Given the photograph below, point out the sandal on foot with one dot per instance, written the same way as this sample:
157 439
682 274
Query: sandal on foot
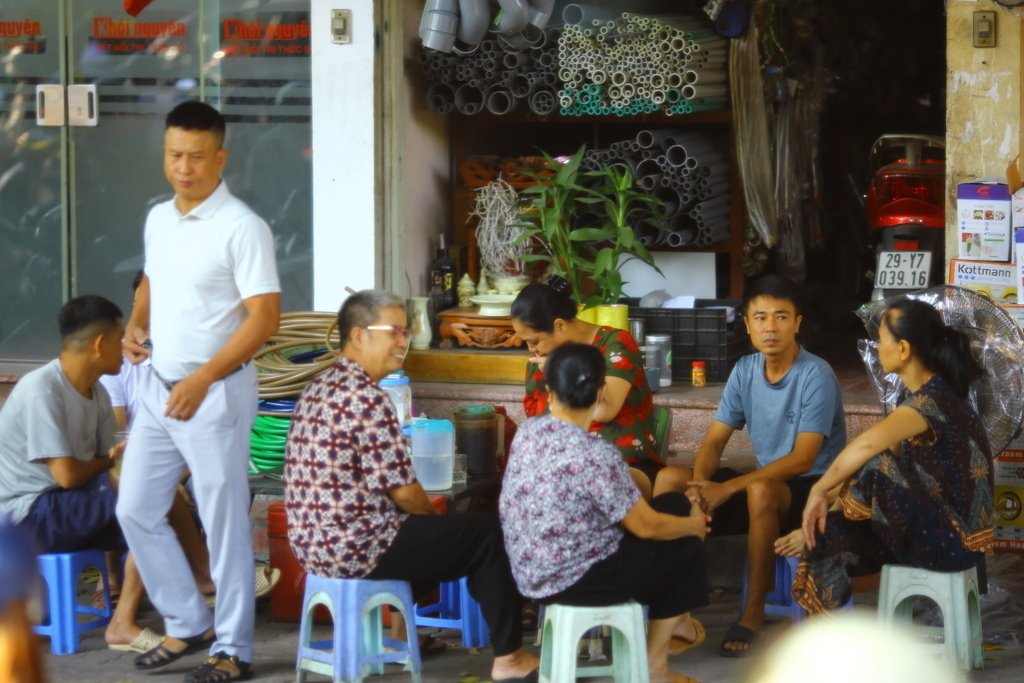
679 645
147 640
161 655
214 672
430 646
738 633
99 601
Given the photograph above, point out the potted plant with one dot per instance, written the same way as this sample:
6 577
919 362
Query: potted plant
582 223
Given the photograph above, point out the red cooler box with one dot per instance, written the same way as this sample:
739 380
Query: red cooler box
286 598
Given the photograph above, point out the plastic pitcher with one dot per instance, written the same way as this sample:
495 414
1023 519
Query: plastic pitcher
433 445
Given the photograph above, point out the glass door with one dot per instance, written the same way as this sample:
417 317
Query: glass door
81 225
32 245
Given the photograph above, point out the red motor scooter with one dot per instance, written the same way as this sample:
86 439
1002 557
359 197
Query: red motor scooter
906 212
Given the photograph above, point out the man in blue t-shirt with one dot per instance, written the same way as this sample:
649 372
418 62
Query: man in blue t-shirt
790 403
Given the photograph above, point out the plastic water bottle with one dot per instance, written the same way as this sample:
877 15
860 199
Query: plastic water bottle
397 386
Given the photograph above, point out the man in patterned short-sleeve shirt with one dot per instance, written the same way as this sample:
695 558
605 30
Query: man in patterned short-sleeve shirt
355 509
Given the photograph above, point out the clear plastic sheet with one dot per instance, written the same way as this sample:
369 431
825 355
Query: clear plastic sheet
997 343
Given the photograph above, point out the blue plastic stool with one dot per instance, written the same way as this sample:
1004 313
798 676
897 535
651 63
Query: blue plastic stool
457 609
358 642
61 624
779 601
956 594
564 625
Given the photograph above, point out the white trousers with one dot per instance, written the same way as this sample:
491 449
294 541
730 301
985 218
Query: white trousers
214 445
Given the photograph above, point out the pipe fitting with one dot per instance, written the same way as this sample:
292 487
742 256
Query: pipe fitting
438 24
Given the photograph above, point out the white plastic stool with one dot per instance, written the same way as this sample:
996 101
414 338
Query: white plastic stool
358 644
564 625
956 594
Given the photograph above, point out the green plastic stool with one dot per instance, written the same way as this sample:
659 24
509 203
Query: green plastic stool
563 627
956 594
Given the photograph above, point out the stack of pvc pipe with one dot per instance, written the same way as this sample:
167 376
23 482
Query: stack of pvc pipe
631 64
494 78
687 172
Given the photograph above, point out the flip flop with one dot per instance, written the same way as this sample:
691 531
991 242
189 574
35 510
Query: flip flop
266 578
99 602
160 656
144 642
738 633
431 646
679 645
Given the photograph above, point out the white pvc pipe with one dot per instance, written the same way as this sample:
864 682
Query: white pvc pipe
695 92
474 15
695 76
438 24
513 16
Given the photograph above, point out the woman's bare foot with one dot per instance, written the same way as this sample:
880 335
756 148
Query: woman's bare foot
685 629
516 665
117 634
790 545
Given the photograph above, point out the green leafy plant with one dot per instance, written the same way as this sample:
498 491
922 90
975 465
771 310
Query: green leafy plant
582 224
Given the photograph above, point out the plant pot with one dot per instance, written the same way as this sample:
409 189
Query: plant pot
587 315
613 315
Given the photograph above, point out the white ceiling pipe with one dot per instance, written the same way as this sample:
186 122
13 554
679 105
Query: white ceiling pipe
512 17
438 24
474 17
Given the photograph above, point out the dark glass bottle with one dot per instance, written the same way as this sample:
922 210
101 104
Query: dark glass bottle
443 277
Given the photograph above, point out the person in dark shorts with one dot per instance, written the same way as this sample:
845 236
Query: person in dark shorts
59 446
790 403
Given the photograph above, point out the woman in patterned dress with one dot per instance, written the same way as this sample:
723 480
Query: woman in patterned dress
921 487
544 317
578 532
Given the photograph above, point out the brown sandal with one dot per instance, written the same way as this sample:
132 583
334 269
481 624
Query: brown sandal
161 655
211 673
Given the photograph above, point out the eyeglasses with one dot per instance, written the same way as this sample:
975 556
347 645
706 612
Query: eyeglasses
395 330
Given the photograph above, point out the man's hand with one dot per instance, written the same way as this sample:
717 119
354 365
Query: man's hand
186 397
133 344
702 521
710 494
117 450
815 513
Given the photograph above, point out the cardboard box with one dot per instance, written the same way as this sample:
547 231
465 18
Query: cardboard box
1018 259
1009 499
983 220
997 281
1015 183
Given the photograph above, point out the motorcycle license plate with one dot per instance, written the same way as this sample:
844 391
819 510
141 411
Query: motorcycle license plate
903 269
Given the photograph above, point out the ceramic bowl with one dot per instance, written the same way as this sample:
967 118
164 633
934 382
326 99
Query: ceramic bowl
496 305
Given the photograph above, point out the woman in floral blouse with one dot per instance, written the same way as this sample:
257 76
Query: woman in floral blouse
544 317
577 530
921 492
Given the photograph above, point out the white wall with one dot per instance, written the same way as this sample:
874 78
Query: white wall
425 176
346 236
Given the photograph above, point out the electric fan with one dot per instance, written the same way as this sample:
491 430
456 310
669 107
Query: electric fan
996 341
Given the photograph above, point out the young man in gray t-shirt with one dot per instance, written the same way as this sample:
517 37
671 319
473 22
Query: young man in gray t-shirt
790 403
57 448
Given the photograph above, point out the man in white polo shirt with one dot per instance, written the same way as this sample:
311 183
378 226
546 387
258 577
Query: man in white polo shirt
209 300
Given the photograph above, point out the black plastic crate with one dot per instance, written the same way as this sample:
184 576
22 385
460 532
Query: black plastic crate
700 333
